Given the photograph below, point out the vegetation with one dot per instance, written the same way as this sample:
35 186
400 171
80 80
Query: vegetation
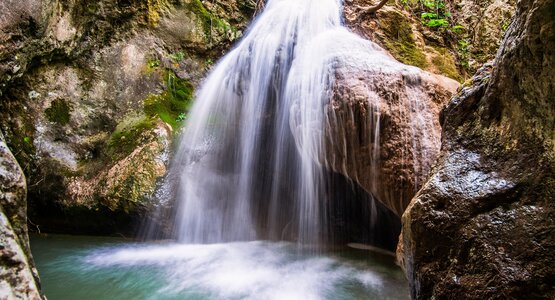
178 56
172 104
58 112
128 134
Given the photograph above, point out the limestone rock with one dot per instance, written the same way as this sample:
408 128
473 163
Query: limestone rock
72 73
17 272
487 22
482 226
132 180
384 130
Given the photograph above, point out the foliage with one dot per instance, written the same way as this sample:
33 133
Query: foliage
153 63
173 102
436 15
182 117
178 56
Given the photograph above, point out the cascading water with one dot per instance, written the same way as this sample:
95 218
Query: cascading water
254 157
237 159
299 104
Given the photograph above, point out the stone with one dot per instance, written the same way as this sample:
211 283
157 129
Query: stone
18 276
398 27
384 130
482 226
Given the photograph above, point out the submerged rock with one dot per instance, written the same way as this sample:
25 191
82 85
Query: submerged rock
483 224
18 276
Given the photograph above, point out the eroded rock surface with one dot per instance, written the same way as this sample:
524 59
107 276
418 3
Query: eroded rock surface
471 38
483 225
18 276
384 130
90 91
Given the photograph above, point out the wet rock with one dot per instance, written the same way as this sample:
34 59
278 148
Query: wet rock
384 130
18 276
482 226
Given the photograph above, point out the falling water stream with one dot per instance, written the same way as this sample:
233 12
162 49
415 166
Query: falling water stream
251 181
252 162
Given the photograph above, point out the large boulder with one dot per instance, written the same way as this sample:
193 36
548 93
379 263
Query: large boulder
18 276
483 224
383 127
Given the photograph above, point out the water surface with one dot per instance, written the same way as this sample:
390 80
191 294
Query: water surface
74 267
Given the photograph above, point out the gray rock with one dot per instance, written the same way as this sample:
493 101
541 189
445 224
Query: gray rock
17 272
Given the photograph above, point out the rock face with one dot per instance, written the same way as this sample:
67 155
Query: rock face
486 22
469 38
483 225
384 130
18 276
90 91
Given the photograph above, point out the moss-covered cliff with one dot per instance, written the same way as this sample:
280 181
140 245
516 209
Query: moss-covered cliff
91 95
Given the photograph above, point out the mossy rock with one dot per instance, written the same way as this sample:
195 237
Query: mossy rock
172 105
58 112
446 64
399 39
129 134
210 23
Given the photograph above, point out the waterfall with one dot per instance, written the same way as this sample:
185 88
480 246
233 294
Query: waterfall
253 157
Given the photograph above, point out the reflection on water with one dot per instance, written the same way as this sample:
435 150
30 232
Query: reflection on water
108 268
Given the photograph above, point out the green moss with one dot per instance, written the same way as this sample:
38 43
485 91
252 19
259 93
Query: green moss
400 40
445 62
209 21
128 135
58 112
173 102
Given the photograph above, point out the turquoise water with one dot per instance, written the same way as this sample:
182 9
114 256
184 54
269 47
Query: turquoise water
75 267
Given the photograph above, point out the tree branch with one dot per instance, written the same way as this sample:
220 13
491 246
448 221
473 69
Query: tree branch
375 8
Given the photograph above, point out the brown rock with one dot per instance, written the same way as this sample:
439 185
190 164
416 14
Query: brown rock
384 130
475 30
